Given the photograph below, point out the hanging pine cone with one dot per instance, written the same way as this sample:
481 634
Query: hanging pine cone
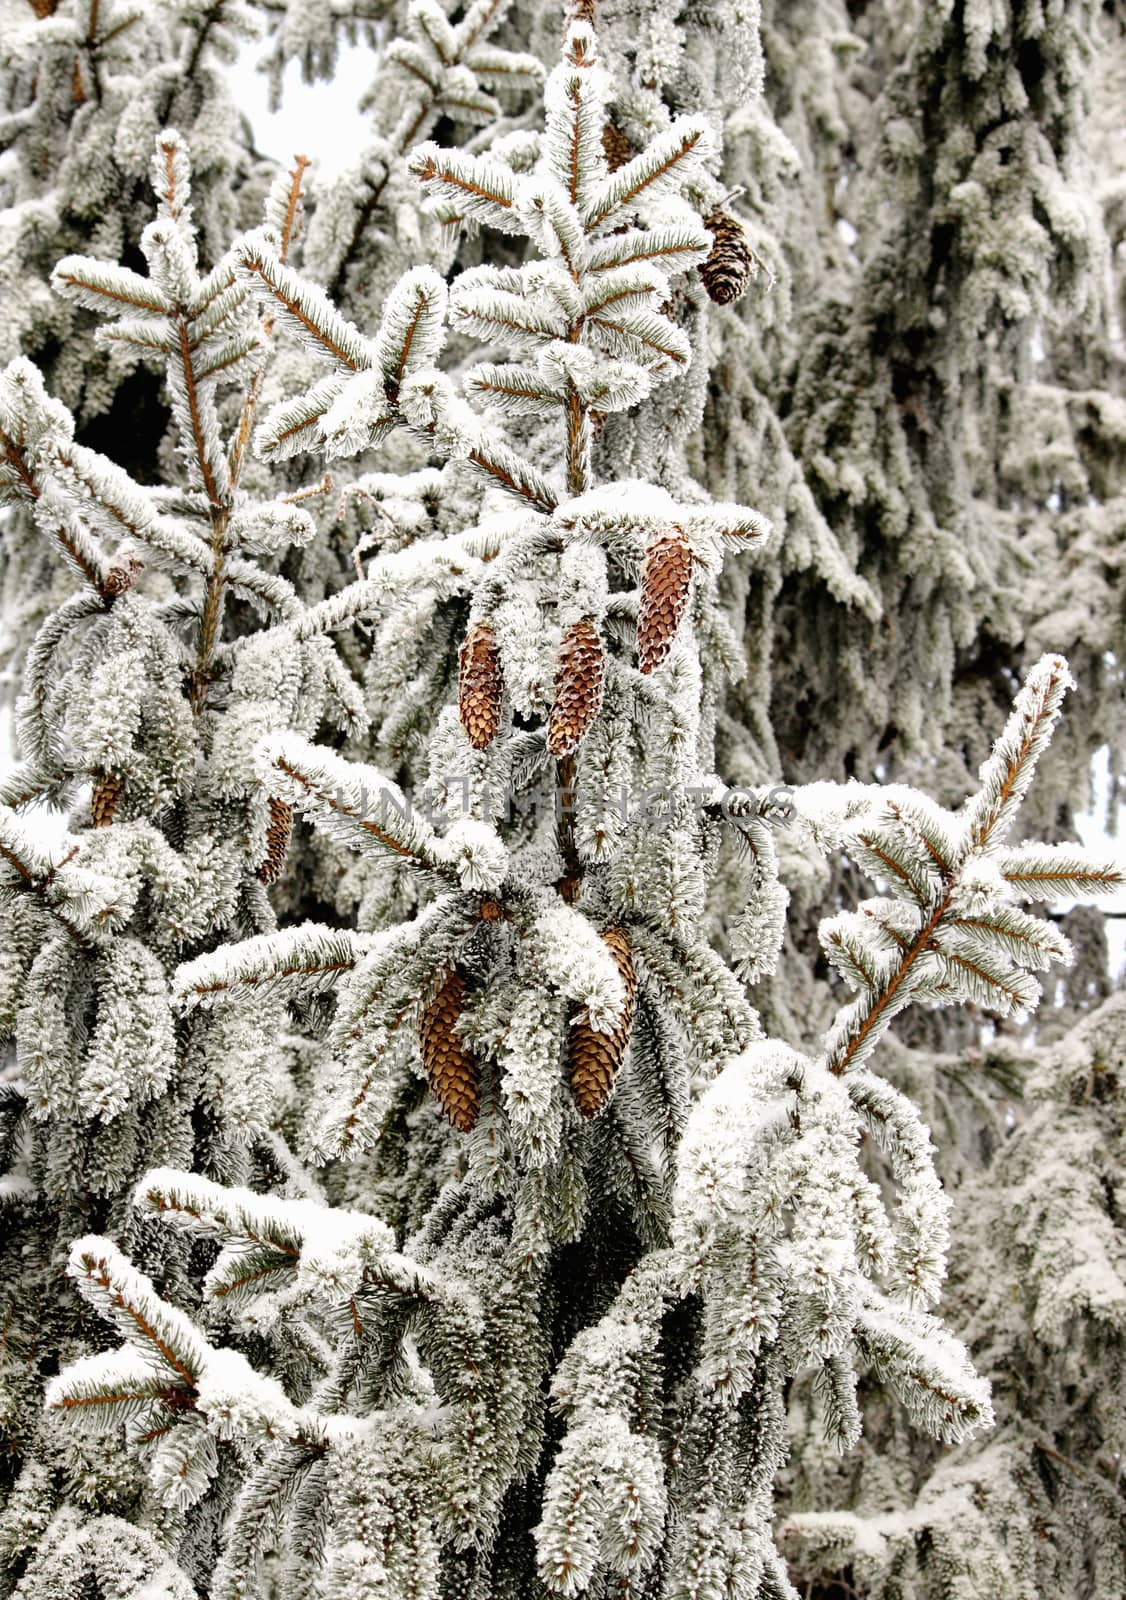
595 1058
480 685
731 264
616 146
108 789
451 1071
579 677
121 576
666 582
278 830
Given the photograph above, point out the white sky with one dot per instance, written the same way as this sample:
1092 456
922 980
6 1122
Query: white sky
319 120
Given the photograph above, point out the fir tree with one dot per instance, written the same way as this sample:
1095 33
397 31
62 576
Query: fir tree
406 1197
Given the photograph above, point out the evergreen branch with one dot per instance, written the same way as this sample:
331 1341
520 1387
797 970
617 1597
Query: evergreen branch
680 147
1004 996
211 1209
109 493
124 1295
514 474
878 1007
421 304
342 809
363 216
477 21
428 170
38 874
310 311
1050 872
250 401
679 247
79 548
895 869
1008 772
191 390
301 960
118 286
212 614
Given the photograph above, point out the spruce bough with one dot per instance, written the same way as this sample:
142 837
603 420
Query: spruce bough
548 1349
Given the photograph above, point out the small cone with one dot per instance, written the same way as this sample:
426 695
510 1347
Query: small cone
480 685
666 582
579 677
451 1071
616 146
731 264
121 576
595 1058
108 789
278 830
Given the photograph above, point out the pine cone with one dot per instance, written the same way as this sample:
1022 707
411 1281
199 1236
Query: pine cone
616 146
451 1071
108 789
666 582
480 685
596 1057
731 264
278 830
579 677
121 576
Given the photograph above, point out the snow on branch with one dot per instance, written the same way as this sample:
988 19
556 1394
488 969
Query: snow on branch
673 158
293 964
412 329
160 1334
566 949
947 931
478 187
300 305
266 1241
105 287
350 801
925 1367
1007 774
1047 872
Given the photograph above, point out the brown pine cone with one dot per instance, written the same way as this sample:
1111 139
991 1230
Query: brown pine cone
108 789
579 677
616 146
480 685
451 1071
595 1058
666 583
121 576
731 264
278 830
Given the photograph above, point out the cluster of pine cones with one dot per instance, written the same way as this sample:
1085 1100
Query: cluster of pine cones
666 584
593 1059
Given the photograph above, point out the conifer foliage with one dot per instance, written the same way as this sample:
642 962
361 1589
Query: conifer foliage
407 1199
